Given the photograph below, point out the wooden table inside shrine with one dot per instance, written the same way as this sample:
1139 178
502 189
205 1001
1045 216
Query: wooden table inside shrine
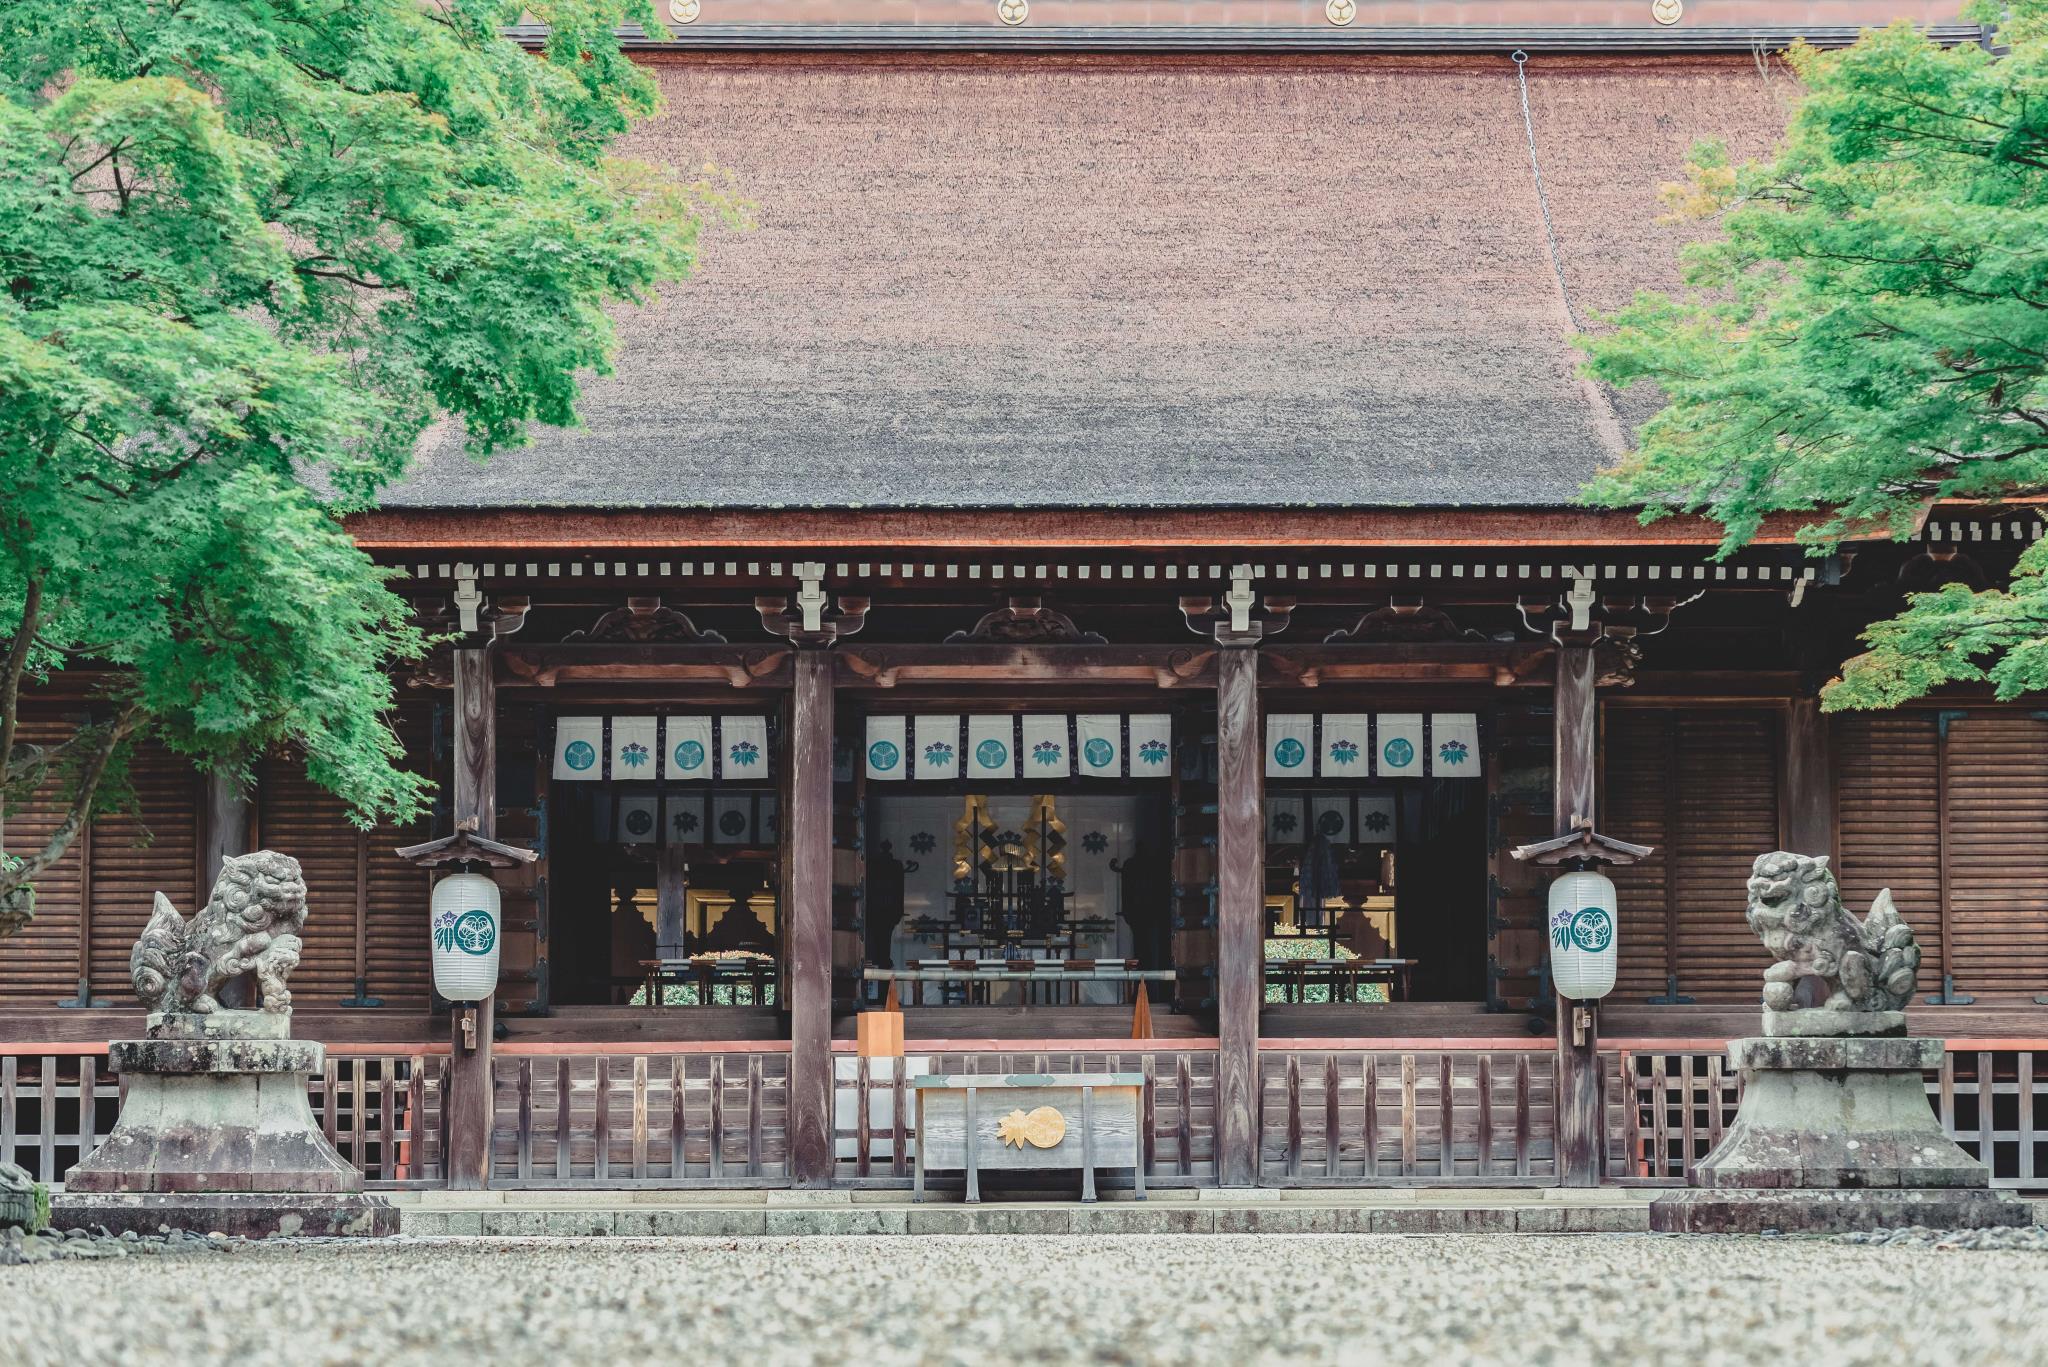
753 972
1342 976
1054 973
1029 1122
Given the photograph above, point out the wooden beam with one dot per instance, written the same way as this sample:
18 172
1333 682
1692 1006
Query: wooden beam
757 531
1581 1133
807 917
1240 914
1808 781
1150 666
475 806
544 666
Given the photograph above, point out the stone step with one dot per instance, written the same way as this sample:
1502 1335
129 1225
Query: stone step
1120 1217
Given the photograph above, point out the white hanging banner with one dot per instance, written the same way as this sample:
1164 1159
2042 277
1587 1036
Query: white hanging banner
888 747
1286 818
1151 745
1045 747
639 815
1289 738
937 752
1400 745
1099 745
732 818
683 818
578 743
1454 745
1347 737
635 742
744 747
1332 813
991 750
686 750
1376 818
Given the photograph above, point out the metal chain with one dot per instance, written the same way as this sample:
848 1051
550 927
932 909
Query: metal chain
1521 61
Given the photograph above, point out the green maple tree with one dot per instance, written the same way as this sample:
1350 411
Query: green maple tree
253 247
1867 335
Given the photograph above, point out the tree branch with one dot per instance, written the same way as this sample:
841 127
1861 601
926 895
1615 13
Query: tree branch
10 682
89 776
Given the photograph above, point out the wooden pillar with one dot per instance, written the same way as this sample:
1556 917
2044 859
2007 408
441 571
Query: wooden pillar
671 900
1581 1128
1240 914
1809 780
807 917
469 1098
230 830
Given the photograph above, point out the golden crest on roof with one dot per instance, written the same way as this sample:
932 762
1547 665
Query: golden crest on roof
1341 12
1013 12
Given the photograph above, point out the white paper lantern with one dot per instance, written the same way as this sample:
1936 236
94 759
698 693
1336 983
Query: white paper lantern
1582 939
464 918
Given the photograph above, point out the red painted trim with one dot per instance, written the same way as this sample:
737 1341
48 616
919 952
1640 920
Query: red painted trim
1196 1044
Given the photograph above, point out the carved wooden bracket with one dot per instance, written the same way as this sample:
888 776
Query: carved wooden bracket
1406 621
1241 617
845 618
1584 848
1025 620
646 621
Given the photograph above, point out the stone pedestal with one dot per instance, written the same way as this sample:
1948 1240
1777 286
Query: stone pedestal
1835 1134
216 1134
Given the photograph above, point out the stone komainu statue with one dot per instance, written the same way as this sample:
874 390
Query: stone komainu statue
1796 909
251 922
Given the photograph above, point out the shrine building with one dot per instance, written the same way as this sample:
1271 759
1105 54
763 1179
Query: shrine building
1097 567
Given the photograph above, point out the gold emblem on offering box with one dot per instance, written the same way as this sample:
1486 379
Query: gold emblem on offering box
1042 1128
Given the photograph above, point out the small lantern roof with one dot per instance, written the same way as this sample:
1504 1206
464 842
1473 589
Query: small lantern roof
467 847
1585 848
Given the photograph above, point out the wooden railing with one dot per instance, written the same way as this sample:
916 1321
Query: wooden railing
1439 1118
58 1102
875 1126
382 1112
688 1117
651 1117
1684 1101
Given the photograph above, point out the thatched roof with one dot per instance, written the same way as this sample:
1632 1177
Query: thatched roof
1117 280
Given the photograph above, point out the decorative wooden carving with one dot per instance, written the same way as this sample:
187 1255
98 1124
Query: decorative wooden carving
645 621
1042 1128
1023 620
1405 621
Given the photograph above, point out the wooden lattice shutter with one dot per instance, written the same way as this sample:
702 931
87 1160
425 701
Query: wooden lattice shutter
137 854
1888 820
1637 802
1726 782
1997 836
42 960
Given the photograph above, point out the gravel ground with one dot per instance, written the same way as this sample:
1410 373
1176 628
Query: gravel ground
1029 1300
